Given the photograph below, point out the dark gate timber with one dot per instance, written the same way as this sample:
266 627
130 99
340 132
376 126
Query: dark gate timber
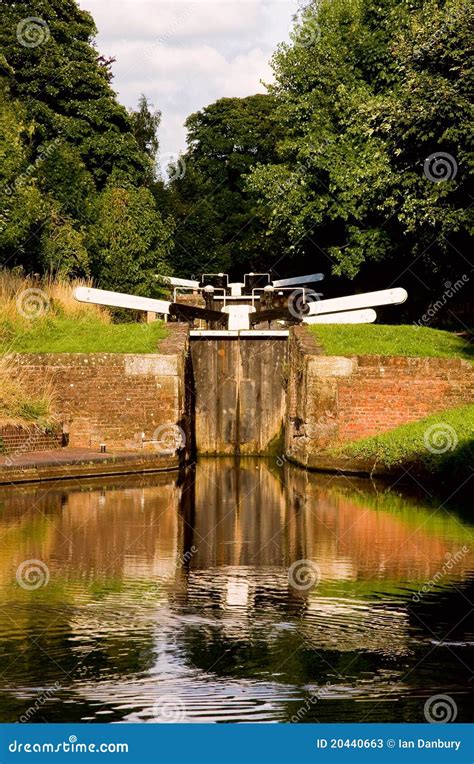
239 393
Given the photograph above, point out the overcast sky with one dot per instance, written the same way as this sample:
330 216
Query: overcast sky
184 54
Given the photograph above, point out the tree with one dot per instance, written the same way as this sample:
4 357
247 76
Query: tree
426 126
129 242
72 142
366 91
145 124
21 205
218 227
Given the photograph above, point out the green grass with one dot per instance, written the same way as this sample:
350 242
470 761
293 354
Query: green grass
377 339
63 334
440 443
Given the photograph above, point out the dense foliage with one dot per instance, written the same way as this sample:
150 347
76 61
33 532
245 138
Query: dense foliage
330 170
218 227
75 164
356 161
382 86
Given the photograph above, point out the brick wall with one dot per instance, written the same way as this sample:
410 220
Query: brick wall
382 393
334 399
113 398
22 440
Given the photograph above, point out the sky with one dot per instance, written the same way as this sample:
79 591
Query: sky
185 54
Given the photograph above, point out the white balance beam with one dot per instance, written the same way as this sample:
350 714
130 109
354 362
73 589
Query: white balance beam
347 317
366 300
120 300
239 316
176 282
296 280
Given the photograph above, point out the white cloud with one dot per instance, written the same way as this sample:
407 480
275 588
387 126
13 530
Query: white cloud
187 53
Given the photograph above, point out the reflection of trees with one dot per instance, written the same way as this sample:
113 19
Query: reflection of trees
342 630
106 546
198 573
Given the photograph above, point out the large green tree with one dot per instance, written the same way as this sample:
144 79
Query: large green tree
74 143
218 225
365 92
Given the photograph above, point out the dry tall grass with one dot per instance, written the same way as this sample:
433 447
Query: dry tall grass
24 297
18 404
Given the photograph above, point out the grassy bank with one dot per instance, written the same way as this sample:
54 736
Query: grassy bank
441 445
43 317
61 334
377 339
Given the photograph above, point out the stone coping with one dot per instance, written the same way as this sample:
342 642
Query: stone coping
81 462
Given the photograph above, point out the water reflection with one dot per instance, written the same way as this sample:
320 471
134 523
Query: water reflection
164 589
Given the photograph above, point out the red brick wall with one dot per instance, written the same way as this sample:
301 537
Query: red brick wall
22 440
335 399
113 398
382 392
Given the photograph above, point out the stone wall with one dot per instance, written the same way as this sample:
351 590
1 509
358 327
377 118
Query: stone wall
117 399
333 399
22 440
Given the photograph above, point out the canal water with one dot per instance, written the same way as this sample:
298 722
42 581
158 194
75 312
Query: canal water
241 593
